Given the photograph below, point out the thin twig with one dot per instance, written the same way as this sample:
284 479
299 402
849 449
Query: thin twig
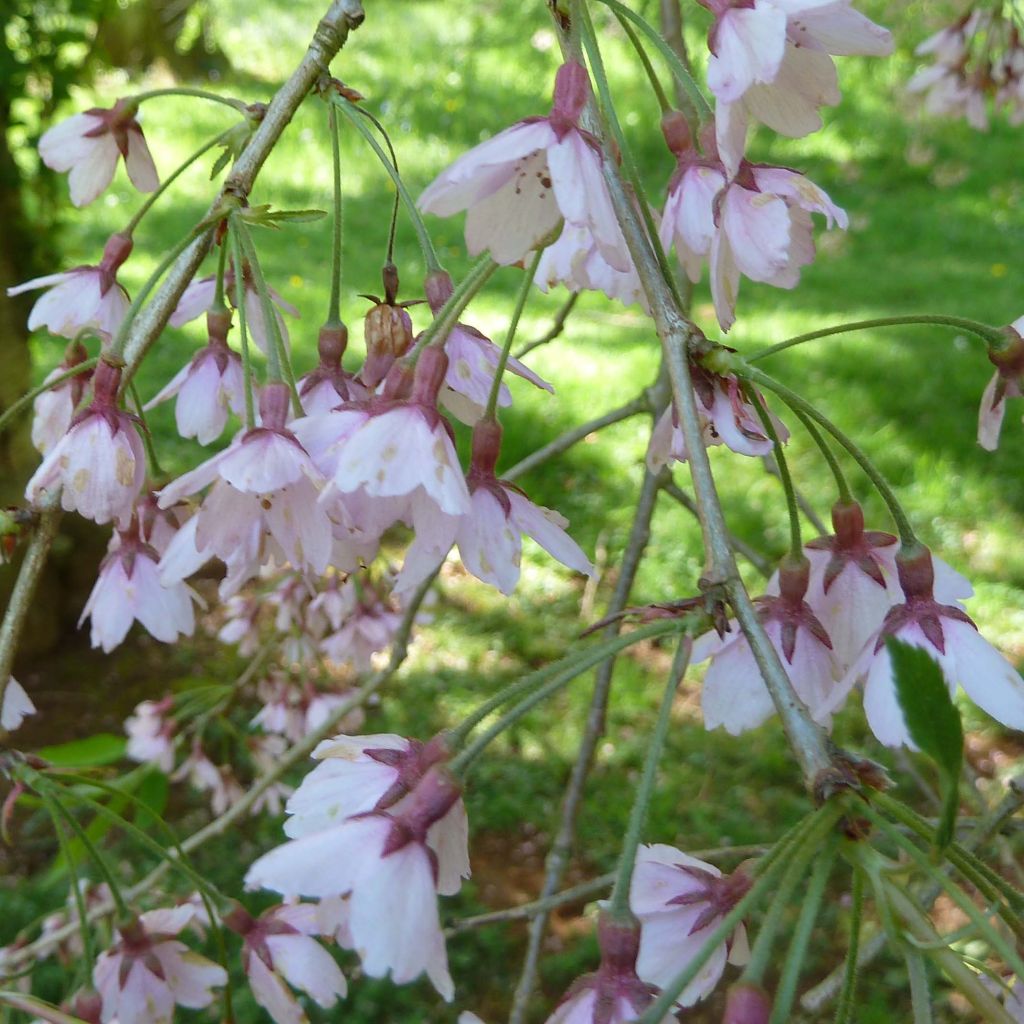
556 328
565 441
750 553
558 856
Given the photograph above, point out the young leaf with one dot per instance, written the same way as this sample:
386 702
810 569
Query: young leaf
90 752
932 721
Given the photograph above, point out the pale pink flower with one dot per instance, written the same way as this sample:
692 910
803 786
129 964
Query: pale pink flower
490 535
129 588
17 706
151 734
99 465
747 41
278 951
147 971
89 146
329 385
54 409
613 994
951 639
1005 383
725 415
203 775
367 628
199 297
576 261
210 386
764 231
679 901
472 361
83 297
264 480
267 752
383 860
853 581
519 184
734 694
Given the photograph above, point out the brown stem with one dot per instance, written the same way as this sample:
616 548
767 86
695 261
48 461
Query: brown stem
556 328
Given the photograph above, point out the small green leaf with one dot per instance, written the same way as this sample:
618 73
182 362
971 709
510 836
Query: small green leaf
152 793
103 748
933 723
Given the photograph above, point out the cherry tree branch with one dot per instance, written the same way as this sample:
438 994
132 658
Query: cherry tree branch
556 328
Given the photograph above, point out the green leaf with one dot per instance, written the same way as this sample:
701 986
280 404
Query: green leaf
933 723
102 748
152 793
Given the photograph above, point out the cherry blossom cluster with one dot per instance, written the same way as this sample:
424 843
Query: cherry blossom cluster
977 64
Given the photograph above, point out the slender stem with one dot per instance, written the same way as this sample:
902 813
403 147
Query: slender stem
652 75
222 262
117 346
279 364
682 75
247 370
987 333
353 113
955 893
920 997
619 907
79 897
184 90
811 831
524 293
561 847
848 993
448 315
796 402
24 590
155 469
334 306
796 544
845 495
961 976
15 407
461 763
556 328
796 956
565 441
670 24
396 205
171 178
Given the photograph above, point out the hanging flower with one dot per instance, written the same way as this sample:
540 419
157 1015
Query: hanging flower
54 409
89 146
1005 383
17 706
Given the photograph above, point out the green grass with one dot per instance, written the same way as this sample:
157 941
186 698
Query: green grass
937 222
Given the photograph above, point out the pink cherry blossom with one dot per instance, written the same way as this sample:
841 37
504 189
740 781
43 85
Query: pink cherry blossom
278 951
208 388
54 409
613 994
747 42
679 901
367 628
329 385
382 859
147 971
99 465
129 588
151 734
89 146
519 184
17 706
1005 383
734 694
266 752
949 636
264 481
199 297
853 581
764 232
203 775
726 417
489 536
84 297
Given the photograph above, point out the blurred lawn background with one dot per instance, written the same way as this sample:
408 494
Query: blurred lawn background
937 225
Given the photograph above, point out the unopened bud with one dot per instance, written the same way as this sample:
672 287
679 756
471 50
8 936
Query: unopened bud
747 1004
676 129
438 288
